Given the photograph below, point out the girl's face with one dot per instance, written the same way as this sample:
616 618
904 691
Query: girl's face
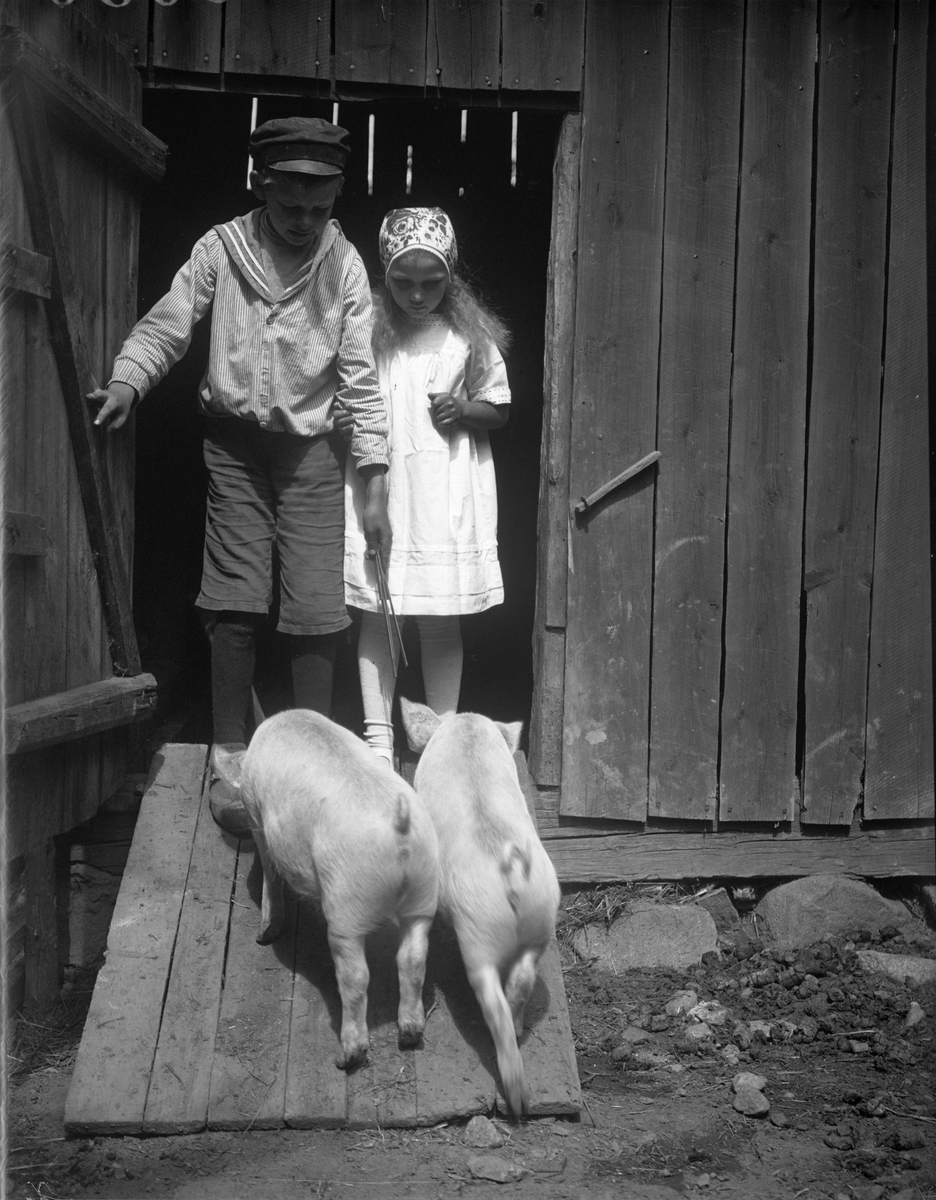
417 281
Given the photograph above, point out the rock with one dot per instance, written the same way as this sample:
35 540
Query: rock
764 1028
632 1036
718 905
489 1166
698 1033
805 910
650 935
731 1054
751 1102
750 1080
915 1015
779 1120
900 966
709 1011
680 1002
482 1134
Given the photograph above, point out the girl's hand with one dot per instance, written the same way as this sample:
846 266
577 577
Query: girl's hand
116 402
344 421
446 409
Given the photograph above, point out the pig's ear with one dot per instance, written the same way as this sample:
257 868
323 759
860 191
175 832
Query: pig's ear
511 734
419 722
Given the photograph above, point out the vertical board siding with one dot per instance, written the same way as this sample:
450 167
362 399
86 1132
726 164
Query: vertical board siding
278 37
899 778
765 487
377 41
853 142
542 44
553 527
187 37
695 375
604 767
463 44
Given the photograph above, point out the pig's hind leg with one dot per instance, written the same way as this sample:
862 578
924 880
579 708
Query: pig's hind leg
411 968
353 977
520 981
272 907
486 985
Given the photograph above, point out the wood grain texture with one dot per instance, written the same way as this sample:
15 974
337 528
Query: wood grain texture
112 1070
273 37
78 712
463 45
899 775
617 326
765 490
187 37
381 43
703 150
543 45
855 64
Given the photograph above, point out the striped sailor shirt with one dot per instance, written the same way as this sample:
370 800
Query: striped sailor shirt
277 357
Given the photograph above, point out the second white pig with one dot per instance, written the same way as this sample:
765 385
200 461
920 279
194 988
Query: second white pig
497 886
337 824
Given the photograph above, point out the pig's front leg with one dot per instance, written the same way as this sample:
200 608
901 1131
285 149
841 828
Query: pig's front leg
272 907
411 968
353 977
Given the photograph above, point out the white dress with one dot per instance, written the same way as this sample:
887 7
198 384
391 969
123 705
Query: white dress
442 497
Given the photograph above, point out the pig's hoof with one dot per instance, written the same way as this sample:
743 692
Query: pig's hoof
268 935
410 1036
346 1060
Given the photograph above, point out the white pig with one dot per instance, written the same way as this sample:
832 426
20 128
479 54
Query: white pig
497 885
337 824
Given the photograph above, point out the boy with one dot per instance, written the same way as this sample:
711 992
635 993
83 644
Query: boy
290 337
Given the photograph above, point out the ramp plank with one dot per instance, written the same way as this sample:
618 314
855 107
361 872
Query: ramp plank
178 1094
112 1071
248 1075
316 1090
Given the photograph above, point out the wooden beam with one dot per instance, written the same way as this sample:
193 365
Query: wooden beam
79 712
24 535
31 134
611 858
25 271
113 129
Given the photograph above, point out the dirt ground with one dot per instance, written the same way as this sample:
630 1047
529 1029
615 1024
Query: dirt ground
849 1084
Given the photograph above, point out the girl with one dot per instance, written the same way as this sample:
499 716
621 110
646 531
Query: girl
442 375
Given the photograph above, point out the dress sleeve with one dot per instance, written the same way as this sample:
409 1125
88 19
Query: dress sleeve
159 339
486 375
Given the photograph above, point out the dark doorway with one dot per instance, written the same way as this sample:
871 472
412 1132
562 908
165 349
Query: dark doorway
501 213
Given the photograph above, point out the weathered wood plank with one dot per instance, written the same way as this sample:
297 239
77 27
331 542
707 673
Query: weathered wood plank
24 536
40 943
278 37
612 857
463 45
543 45
765 492
187 37
455 1065
546 721
112 1070
316 1090
127 26
381 43
695 378
78 712
25 271
78 101
177 1101
617 329
72 357
856 55
248 1073
899 776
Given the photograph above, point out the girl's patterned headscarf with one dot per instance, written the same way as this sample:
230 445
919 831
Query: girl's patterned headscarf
417 229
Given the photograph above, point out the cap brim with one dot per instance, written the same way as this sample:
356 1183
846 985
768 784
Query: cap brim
305 166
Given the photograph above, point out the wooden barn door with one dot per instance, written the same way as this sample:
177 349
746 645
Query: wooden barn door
73 160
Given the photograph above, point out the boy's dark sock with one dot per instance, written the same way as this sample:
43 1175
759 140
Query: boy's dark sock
312 660
233 659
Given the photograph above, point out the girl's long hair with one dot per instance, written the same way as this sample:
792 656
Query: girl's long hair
460 307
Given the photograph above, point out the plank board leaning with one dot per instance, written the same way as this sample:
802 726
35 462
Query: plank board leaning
115 1058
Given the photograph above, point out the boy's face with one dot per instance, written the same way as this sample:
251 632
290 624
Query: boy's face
417 281
299 206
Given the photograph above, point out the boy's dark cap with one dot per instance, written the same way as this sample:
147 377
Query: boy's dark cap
309 145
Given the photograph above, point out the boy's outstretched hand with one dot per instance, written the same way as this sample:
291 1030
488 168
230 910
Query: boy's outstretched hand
116 401
377 532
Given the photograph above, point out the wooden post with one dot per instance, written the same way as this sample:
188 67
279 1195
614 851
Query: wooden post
41 932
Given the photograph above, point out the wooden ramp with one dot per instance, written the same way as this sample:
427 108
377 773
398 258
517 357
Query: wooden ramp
193 1025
